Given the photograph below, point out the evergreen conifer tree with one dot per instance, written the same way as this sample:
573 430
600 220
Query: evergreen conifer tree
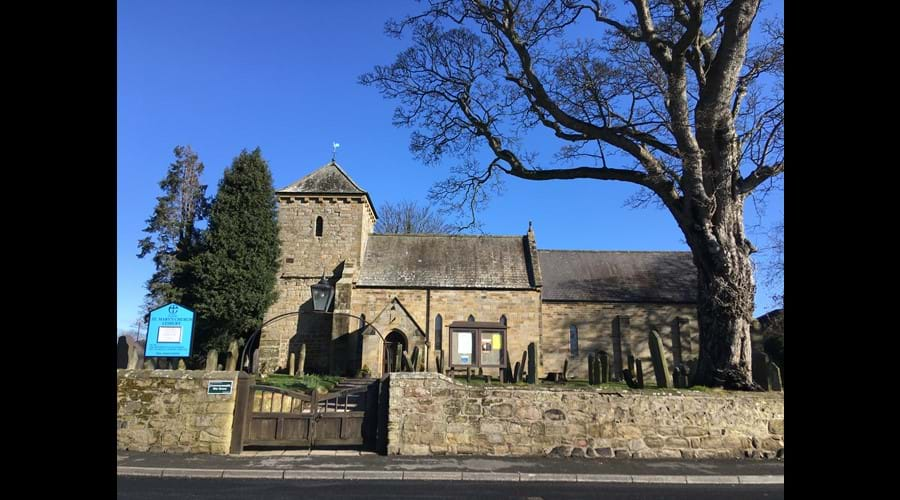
237 272
173 238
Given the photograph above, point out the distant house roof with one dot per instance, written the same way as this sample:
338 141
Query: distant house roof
592 276
327 179
446 261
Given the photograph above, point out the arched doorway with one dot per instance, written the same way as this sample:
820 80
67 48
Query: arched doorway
394 342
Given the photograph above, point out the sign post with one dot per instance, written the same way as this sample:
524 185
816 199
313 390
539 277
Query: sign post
171 332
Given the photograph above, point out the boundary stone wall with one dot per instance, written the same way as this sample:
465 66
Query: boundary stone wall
432 414
170 411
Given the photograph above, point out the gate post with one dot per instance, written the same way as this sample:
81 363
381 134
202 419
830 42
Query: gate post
240 423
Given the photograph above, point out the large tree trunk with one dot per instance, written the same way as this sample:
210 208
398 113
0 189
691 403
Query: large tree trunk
725 301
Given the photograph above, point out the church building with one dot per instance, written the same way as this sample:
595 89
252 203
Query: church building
468 299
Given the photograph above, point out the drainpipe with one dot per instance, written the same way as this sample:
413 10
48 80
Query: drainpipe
427 325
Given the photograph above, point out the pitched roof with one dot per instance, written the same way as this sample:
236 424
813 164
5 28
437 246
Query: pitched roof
446 261
327 179
592 276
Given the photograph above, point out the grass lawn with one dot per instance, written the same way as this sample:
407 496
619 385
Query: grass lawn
304 383
583 384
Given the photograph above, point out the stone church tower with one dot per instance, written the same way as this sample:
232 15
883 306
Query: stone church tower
324 221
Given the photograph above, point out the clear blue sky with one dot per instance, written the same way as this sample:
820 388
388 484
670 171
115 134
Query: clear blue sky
282 75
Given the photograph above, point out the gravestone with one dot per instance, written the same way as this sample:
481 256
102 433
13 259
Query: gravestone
122 346
301 363
181 364
254 361
604 367
658 356
640 373
591 374
292 360
212 360
774 377
232 359
532 363
148 364
760 369
133 359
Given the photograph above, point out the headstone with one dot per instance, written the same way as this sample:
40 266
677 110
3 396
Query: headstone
301 362
774 377
626 373
133 359
231 359
406 365
676 377
631 367
640 373
254 366
292 362
181 364
414 360
508 375
522 368
591 375
468 373
597 376
122 352
517 373
212 360
162 363
565 371
760 369
604 367
532 363
658 356
148 364
220 367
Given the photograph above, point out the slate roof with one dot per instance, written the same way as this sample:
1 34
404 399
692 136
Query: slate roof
595 276
446 261
327 179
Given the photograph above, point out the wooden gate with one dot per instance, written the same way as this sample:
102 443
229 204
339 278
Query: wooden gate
280 417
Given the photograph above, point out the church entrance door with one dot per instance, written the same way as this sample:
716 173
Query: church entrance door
394 344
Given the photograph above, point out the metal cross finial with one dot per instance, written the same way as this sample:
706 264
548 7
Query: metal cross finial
334 147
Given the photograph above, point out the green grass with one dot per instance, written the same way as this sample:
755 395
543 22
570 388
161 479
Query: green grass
480 381
304 383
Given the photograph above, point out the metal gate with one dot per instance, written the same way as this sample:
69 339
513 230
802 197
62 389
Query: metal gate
281 417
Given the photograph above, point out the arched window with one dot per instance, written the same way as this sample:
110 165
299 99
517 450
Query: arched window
471 318
319 226
573 340
438 332
503 320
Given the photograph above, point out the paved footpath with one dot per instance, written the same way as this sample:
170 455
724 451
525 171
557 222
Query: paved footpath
350 465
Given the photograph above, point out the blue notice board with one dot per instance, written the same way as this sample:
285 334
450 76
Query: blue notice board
170 332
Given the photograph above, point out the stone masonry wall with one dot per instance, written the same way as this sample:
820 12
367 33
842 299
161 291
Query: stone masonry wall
595 323
522 309
169 411
431 414
346 224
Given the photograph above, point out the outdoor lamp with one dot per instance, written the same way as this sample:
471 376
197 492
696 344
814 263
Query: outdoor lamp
322 293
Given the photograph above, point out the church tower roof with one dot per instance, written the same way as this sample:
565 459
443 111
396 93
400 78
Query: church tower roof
329 179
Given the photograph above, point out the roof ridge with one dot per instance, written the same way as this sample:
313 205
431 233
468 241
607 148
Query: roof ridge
614 251
450 235
340 170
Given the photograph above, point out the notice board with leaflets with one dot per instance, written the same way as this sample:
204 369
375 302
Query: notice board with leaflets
477 344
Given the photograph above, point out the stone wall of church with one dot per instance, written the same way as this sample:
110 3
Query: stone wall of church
522 309
287 334
596 324
347 220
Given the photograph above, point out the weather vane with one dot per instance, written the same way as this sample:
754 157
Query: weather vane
334 147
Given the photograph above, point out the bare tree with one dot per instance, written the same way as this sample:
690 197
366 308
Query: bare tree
775 267
671 98
408 217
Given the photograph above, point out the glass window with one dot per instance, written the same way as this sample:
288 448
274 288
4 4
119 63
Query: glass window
471 318
491 347
438 332
503 320
463 352
318 226
573 340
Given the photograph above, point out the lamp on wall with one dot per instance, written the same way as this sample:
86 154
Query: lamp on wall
322 295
